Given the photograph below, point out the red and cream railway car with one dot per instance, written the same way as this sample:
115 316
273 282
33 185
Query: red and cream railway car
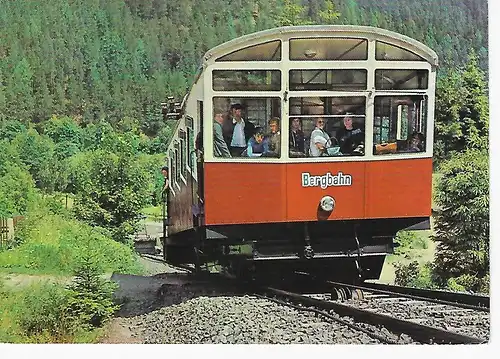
294 201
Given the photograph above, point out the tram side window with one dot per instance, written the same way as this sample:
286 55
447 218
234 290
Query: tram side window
190 143
172 169
177 165
327 126
400 124
246 127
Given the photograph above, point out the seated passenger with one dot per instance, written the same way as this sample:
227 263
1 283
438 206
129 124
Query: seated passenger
274 138
297 139
257 145
416 142
220 146
350 139
319 130
320 145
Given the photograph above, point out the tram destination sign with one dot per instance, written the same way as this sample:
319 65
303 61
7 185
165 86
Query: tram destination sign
326 180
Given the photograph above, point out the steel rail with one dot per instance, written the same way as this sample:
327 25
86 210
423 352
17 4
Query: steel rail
463 300
329 316
414 293
419 332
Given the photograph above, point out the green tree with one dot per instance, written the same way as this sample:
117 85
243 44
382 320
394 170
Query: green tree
291 14
330 14
90 301
462 222
110 191
66 135
461 110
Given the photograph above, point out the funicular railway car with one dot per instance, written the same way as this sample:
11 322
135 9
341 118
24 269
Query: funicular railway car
314 150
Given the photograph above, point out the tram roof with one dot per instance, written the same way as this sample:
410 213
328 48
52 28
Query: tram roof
368 32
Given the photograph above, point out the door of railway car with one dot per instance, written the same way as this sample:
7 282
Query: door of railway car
198 191
325 168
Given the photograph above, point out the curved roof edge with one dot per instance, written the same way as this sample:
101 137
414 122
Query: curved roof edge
423 50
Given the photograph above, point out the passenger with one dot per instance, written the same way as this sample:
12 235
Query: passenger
350 139
237 131
297 140
164 172
416 142
318 131
220 146
257 145
165 192
198 144
274 139
320 144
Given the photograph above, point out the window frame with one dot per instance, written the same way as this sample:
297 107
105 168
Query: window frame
423 122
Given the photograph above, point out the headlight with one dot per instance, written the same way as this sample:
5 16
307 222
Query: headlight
327 203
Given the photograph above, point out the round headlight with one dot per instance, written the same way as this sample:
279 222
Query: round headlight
327 203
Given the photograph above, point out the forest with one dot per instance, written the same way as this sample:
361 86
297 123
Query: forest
82 137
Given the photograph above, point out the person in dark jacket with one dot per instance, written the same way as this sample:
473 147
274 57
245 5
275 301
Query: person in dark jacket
237 131
348 137
297 139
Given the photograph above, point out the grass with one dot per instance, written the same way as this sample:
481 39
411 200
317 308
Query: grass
153 214
53 244
32 314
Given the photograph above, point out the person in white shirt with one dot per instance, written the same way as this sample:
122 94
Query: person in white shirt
319 130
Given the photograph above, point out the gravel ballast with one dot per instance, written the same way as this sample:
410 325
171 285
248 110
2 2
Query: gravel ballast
241 320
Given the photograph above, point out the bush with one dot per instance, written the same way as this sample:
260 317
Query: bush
404 239
414 275
406 273
469 283
42 313
91 303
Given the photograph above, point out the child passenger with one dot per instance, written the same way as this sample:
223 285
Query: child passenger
257 145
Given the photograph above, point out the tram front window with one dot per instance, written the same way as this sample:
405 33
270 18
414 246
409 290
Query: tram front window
247 127
327 126
400 124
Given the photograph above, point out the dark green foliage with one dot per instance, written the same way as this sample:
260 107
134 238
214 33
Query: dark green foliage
450 27
108 60
462 115
462 221
414 275
91 300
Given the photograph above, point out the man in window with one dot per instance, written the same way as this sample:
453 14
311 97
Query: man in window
297 141
238 131
319 131
220 146
350 139
274 137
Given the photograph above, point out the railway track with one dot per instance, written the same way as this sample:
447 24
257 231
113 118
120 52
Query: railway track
428 316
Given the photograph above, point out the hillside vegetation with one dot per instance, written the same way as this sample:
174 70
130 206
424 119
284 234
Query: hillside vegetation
82 138
119 59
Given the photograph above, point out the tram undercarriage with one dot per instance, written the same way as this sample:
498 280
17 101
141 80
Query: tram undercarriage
343 250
